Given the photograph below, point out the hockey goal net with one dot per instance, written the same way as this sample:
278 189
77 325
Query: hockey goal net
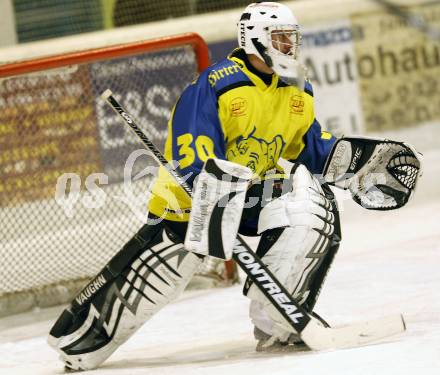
74 181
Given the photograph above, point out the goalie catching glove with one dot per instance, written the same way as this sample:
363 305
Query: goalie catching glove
217 204
380 174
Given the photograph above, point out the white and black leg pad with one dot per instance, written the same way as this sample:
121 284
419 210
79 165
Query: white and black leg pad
302 224
217 205
380 174
151 270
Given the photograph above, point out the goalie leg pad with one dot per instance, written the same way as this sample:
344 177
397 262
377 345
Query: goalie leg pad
153 269
298 236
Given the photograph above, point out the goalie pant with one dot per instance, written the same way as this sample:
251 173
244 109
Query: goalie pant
151 270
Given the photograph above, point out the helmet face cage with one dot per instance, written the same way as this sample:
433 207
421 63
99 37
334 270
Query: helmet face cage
284 40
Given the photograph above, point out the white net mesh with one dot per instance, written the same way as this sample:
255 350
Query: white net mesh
53 122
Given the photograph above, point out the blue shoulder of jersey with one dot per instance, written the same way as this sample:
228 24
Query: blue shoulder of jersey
224 76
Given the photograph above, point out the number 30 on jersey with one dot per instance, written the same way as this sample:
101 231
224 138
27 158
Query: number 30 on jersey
203 146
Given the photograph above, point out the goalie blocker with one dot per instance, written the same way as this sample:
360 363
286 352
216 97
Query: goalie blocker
217 204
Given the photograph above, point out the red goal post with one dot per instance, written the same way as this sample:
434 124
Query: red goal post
110 52
53 124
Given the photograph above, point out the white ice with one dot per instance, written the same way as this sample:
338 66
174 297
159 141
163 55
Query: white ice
389 263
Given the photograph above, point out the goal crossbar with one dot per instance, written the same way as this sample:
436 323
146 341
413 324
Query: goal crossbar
104 53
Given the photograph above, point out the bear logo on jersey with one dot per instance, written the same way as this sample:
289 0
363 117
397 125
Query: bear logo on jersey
256 153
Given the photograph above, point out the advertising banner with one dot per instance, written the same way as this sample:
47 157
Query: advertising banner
47 127
56 122
398 69
327 52
148 86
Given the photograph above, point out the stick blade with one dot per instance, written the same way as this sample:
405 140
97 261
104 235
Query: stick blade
318 337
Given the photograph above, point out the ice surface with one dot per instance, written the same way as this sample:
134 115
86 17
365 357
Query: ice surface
389 263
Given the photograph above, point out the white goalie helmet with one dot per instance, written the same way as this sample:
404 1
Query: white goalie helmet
270 31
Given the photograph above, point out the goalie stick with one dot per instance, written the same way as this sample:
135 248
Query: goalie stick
310 329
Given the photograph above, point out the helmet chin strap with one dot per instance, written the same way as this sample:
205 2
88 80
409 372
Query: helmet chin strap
262 50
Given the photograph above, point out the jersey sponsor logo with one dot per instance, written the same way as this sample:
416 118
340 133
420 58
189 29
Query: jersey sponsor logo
238 107
217 75
296 104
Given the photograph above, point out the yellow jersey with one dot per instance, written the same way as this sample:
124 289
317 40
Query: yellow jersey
230 113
